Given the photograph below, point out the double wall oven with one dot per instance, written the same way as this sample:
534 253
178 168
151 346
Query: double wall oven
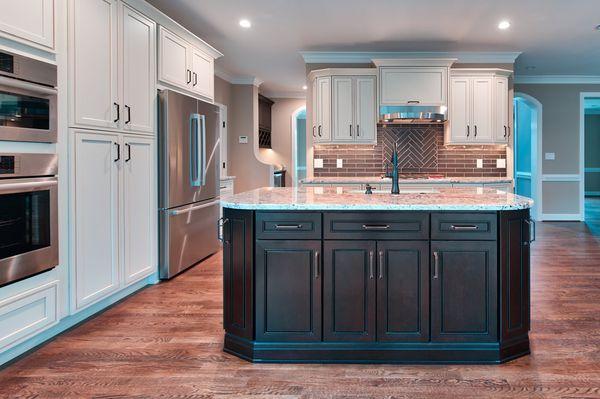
27 99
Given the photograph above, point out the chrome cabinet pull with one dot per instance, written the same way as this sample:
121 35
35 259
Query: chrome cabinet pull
530 224
381 264
436 264
288 226
118 112
118 152
371 265
220 230
317 265
375 226
458 227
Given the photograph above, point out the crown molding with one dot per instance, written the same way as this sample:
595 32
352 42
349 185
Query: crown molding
285 94
426 62
362 57
557 79
238 80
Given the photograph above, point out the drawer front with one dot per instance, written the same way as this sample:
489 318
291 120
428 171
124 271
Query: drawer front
463 226
376 226
288 225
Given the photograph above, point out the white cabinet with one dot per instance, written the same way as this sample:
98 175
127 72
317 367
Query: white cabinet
184 66
479 107
139 210
96 198
114 213
322 109
413 86
139 71
342 109
28 21
112 66
365 108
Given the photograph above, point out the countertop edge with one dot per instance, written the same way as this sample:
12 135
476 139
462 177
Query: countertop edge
336 207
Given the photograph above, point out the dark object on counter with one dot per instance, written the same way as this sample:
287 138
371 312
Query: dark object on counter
368 189
395 187
279 178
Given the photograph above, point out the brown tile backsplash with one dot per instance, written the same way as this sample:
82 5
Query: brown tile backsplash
422 151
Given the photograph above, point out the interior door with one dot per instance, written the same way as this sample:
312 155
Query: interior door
342 109
139 57
365 103
483 112
94 51
460 109
139 208
96 180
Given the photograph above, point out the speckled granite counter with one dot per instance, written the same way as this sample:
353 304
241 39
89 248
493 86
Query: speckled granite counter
337 198
379 180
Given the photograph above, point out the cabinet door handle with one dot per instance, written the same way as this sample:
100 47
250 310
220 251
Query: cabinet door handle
508 128
288 226
530 224
118 112
413 102
504 131
350 130
375 226
118 146
221 230
436 264
189 76
128 152
317 265
357 131
319 131
314 134
195 79
458 227
371 271
475 135
128 109
468 130
381 264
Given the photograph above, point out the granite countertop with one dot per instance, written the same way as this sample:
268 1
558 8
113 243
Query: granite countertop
338 198
387 180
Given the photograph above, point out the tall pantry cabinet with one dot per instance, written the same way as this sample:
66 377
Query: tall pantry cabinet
112 118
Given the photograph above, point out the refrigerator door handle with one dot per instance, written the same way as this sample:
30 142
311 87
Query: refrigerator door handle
195 175
193 208
202 119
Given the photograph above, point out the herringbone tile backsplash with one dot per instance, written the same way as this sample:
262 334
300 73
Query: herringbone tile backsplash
421 149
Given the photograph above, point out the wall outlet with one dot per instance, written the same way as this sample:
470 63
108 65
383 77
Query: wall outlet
243 140
317 163
550 156
340 163
501 163
479 163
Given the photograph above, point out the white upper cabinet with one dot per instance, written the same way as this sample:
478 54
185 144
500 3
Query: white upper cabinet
28 21
479 106
139 71
365 108
322 109
413 85
182 65
93 56
342 109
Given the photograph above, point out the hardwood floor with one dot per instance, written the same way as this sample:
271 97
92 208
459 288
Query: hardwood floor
166 341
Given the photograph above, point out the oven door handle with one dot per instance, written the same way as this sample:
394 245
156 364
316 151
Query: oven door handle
27 186
31 87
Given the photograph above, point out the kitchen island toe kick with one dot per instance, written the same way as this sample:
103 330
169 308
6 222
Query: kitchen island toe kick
376 284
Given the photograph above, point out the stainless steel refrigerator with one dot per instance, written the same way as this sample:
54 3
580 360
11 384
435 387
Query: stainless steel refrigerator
188 181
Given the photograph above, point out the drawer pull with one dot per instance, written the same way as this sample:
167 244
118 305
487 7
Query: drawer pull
288 226
375 226
463 227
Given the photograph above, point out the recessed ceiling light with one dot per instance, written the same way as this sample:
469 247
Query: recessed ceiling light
503 25
304 87
244 23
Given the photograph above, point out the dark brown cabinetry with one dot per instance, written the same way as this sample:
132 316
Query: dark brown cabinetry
264 121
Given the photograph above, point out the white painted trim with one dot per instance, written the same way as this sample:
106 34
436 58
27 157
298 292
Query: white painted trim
411 62
223 74
582 97
523 175
592 170
557 79
238 80
295 144
592 193
285 94
343 72
561 217
351 57
480 72
562 177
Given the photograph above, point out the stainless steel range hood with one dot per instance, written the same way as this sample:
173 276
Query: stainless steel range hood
400 115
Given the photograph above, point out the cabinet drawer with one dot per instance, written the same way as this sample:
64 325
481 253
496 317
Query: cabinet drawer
376 225
286 226
463 226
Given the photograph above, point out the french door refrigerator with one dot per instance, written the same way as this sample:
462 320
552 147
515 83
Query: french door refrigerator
188 181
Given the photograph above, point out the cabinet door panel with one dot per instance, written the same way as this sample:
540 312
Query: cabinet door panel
324 109
288 290
139 208
464 291
96 217
173 59
29 20
403 291
501 123
342 107
349 291
483 113
203 74
93 43
139 60
365 109
402 85
460 110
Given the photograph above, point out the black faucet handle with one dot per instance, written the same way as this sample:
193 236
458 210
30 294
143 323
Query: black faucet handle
369 189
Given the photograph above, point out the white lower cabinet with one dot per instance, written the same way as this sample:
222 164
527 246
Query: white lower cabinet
114 213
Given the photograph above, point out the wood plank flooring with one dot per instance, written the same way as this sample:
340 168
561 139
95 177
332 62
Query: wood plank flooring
166 341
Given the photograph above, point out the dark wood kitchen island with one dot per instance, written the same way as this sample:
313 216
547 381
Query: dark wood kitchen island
334 275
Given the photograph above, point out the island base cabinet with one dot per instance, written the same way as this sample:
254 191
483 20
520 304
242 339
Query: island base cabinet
464 305
288 290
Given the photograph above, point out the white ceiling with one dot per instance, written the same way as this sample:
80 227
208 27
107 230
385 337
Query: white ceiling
557 37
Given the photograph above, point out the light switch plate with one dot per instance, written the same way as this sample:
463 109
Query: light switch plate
550 156
479 163
243 140
501 163
317 163
340 163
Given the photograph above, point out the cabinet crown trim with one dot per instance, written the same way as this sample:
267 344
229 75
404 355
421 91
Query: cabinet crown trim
342 72
480 72
414 62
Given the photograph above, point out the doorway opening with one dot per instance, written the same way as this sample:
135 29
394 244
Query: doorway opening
527 150
590 157
299 145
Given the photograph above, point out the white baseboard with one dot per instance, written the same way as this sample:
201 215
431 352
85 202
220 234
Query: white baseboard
562 217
